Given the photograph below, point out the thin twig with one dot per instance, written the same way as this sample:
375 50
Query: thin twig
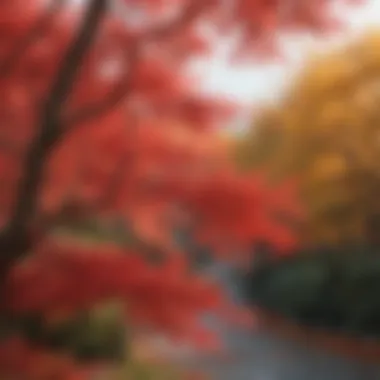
123 87
125 165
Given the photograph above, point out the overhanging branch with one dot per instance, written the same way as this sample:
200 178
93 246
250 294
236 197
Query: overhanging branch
122 89
50 131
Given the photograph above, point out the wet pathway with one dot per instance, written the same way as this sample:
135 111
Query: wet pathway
259 356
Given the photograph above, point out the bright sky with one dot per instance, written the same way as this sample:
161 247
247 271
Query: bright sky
265 82
260 83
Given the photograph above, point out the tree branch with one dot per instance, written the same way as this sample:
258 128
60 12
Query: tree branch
7 65
49 134
122 89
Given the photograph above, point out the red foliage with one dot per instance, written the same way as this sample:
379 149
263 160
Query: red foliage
234 211
36 363
80 276
108 123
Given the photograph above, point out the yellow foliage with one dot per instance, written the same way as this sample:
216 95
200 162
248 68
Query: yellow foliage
326 129
328 167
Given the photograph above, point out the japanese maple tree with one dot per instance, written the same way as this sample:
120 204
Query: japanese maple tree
104 132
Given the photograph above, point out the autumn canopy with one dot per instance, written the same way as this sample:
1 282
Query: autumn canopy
325 131
107 148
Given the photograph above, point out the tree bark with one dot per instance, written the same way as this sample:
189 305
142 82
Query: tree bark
16 239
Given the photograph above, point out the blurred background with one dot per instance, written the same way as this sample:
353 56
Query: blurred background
189 190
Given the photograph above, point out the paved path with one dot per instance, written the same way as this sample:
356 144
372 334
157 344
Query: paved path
259 356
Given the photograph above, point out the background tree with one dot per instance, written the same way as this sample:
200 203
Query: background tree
95 109
325 132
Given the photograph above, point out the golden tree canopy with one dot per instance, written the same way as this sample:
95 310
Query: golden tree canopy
326 130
